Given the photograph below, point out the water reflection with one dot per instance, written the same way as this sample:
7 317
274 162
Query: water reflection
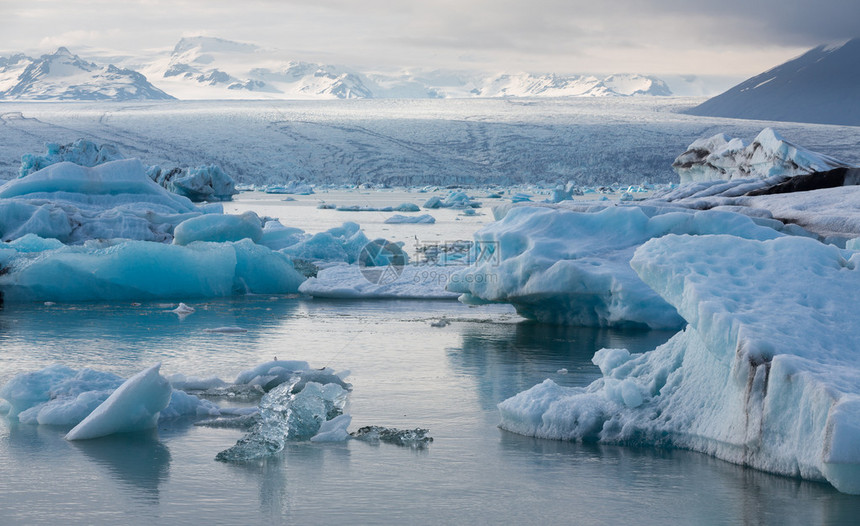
138 460
123 337
505 359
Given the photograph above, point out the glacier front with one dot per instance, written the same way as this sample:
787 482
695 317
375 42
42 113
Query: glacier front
766 374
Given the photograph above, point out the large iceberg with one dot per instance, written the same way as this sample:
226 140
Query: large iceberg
139 270
569 267
722 158
766 374
73 203
204 183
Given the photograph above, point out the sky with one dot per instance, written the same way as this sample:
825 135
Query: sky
726 37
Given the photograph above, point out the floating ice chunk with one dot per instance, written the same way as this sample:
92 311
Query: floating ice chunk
292 187
415 438
133 406
183 404
343 243
219 228
81 151
136 270
424 219
64 411
74 203
277 236
561 266
204 183
721 158
30 389
333 430
288 415
194 383
270 374
183 309
354 281
764 375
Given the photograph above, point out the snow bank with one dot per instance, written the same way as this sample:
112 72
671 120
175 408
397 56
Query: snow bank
766 374
561 266
722 158
133 406
403 282
139 270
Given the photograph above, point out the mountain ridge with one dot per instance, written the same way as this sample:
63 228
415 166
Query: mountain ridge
821 86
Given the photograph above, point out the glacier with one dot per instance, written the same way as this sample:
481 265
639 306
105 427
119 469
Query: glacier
764 375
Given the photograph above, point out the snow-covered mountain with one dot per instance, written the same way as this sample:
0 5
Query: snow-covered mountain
64 76
205 68
821 86
528 85
208 68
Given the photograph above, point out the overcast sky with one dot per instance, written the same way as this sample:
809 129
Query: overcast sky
725 37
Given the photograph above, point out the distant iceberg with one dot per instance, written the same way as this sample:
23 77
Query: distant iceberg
204 183
721 158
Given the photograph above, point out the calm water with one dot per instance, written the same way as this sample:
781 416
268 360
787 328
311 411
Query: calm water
405 373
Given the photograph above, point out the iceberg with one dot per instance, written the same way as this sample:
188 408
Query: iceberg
343 243
573 268
138 270
80 151
424 219
766 374
203 183
133 406
722 158
73 203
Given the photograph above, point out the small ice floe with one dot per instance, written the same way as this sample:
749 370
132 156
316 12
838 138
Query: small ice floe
49 303
562 371
226 330
183 310
443 322
415 438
